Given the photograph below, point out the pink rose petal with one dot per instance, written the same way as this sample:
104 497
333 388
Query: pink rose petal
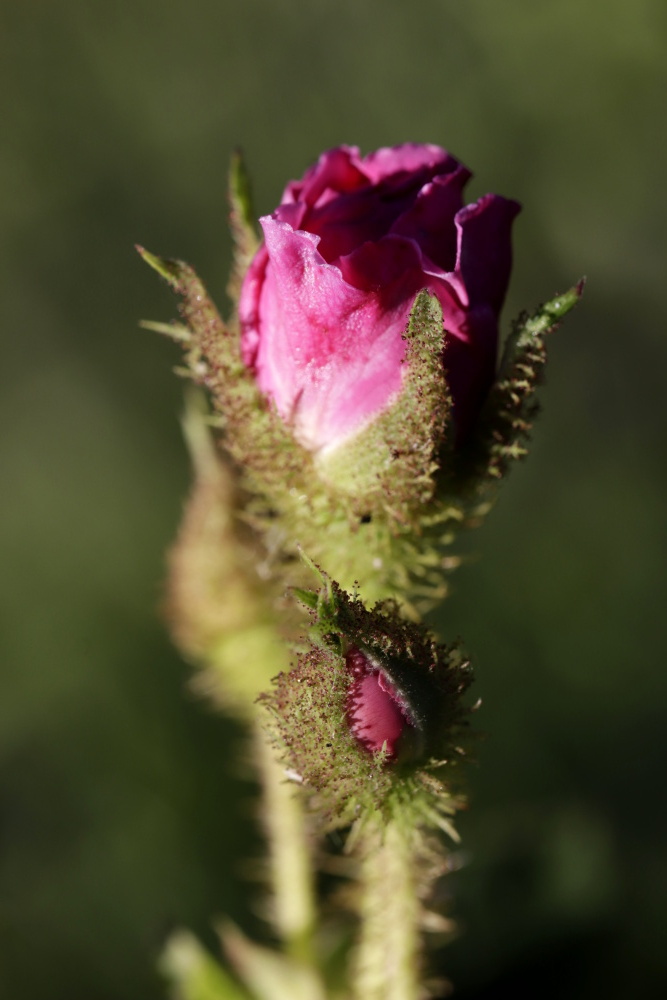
325 303
374 713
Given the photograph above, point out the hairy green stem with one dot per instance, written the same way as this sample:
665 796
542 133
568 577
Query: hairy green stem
388 959
290 852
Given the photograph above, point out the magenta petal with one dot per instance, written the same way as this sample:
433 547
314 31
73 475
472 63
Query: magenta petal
332 357
335 202
470 366
392 267
374 714
249 300
344 223
484 256
292 213
409 157
376 719
337 169
429 220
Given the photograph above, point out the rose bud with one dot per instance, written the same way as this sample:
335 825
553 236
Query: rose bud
356 383
326 300
372 714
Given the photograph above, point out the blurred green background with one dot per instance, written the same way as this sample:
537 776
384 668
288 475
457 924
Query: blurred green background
123 810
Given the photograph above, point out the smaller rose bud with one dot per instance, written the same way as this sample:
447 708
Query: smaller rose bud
372 712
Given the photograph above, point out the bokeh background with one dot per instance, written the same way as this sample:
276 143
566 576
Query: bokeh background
123 810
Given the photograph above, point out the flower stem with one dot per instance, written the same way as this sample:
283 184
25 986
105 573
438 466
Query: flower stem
294 909
388 960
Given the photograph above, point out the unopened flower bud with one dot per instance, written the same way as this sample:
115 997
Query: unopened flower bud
372 710
357 380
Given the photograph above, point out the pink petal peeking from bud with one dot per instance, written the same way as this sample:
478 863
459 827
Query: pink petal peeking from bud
374 711
335 354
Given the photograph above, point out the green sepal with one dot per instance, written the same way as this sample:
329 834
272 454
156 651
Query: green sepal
307 716
546 317
193 974
307 597
209 342
389 467
167 269
241 223
269 974
272 462
175 331
511 408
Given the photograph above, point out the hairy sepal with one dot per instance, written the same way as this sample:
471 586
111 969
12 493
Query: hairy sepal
241 223
507 420
267 973
388 468
193 974
255 436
